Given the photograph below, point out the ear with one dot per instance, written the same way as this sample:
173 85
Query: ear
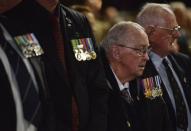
115 52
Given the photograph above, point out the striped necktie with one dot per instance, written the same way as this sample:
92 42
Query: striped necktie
181 112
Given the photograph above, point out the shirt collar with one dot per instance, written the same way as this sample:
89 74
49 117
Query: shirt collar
121 86
156 59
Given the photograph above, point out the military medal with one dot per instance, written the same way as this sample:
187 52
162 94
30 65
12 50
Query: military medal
83 49
29 45
93 54
152 87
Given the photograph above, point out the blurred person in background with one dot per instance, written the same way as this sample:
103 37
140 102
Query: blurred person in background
100 26
180 11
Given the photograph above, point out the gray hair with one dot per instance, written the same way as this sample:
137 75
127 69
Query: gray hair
151 13
119 33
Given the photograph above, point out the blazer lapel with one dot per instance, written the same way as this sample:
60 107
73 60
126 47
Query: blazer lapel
182 77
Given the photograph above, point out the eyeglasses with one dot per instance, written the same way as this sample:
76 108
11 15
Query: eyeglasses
140 52
173 31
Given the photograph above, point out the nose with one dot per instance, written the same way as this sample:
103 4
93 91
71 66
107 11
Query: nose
146 56
176 34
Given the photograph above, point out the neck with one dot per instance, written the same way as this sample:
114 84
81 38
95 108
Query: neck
5 6
50 6
122 76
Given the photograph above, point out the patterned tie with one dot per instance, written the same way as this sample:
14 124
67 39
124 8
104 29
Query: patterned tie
60 50
126 95
28 90
181 112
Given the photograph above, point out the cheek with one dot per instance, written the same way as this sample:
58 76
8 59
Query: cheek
132 63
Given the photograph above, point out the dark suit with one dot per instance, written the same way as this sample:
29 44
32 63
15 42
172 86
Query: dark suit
122 116
182 63
8 108
150 71
83 79
143 114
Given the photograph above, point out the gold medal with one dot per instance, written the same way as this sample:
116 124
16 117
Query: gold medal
93 54
148 93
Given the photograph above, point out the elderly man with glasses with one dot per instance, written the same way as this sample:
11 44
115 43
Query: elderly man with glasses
162 28
125 53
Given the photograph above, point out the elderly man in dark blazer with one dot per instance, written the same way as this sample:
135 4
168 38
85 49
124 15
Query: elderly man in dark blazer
162 28
124 53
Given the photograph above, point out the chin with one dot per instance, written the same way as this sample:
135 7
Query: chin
140 73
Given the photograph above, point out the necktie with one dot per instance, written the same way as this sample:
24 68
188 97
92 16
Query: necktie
181 113
126 95
60 50
29 95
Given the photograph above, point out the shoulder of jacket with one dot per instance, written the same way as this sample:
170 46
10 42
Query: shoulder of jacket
72 13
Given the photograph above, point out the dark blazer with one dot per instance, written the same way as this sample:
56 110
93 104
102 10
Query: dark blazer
143 114
150 70
161 118
182 64
87 78
83 79
122 116
8 110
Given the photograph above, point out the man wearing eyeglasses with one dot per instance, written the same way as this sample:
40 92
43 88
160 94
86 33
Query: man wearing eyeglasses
161 26
124 53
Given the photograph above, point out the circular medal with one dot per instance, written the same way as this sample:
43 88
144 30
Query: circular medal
93 54
78 56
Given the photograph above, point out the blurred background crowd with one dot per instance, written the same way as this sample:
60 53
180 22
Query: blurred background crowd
103 14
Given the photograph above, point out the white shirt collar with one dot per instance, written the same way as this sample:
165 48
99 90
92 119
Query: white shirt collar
156 59
121 86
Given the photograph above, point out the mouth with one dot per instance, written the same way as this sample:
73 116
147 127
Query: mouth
142 67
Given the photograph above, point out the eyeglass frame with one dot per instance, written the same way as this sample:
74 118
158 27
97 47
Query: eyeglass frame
173 30
140 52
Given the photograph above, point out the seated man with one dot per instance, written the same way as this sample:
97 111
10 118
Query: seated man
124 53
125 48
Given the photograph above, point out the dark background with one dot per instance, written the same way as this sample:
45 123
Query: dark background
132 5
137 4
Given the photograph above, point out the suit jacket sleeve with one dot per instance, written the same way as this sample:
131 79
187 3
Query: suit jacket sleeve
98 92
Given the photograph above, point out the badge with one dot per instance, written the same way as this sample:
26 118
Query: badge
152 87
29 45
83 49
184 79
128 123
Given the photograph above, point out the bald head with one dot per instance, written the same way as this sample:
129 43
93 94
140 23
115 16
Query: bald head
123 32
126 47
155 14
161 26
